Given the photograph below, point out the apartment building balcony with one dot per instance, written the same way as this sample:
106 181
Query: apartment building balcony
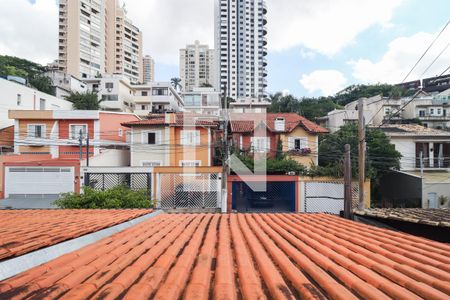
264 7
433 155
434 118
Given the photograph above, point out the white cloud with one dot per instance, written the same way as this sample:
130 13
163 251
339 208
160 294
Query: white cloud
285 92
401 56
327 82
325 26
29 30
307 54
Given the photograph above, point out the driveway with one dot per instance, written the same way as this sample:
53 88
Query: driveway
23 203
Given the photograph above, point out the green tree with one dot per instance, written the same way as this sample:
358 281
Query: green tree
381 154
32 72
42 83
176 83
84 101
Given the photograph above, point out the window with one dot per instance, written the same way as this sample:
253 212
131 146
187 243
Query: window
422 113
151 163
109 85
190 163
120 132
36 131
297 143
110 97
75 131
150 138
42 104
431 111
144 93
19 99
260 144
190 137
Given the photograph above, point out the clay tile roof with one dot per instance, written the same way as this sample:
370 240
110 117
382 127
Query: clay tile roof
241 123
23 231
180 120
432 217
248 256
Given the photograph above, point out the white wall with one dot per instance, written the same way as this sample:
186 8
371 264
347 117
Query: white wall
407 147
145 153
30 99
109 158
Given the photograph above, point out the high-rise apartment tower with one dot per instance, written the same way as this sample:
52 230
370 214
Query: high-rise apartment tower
197 66
96 37
149 69
241 48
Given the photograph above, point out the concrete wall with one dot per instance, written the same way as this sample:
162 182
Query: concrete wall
29 100
407 147
110 158
141 152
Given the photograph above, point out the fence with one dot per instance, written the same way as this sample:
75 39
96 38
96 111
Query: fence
327 197
105 181
189 191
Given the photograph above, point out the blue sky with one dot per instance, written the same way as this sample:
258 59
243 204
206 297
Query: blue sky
315 47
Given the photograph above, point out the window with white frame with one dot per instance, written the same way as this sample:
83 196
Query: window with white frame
190 137
297 143
36 130
151 163
260 144
150 138
76 130
190 163
120 132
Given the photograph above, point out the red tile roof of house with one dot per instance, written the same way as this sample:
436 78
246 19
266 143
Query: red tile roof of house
23 231
241 123
181 119
249 256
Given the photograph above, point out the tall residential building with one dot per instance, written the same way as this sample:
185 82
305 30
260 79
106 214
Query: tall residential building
241 48
148 69
196 66
95 37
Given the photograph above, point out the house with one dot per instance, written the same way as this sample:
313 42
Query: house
57 133
424 167
299 136
243 105
17 96
173 139
156 97
47 149
202 101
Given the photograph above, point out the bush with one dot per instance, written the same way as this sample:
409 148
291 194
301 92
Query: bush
118 197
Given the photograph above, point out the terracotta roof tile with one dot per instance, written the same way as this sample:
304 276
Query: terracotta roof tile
244 122
23 231
244 255
180 120
433 217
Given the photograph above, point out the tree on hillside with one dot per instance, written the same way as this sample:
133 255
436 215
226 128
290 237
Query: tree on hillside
32 72
354 92
176 83
84 101
381 154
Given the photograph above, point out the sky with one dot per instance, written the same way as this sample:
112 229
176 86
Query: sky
316 47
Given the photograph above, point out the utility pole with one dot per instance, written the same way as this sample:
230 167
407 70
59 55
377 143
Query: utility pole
362 153
348 198
225 152
87 149
80 139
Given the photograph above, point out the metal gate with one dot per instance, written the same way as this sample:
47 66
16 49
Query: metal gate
327 197
105 181
278 197
195 191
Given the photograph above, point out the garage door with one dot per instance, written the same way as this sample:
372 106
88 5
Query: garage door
38 181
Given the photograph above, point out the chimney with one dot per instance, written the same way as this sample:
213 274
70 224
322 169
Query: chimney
170 118
280 124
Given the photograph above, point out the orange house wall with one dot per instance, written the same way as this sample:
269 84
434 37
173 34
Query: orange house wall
191 153
111 123
64 133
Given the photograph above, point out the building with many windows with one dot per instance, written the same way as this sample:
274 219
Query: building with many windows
96 37
196 66
241 48
148 65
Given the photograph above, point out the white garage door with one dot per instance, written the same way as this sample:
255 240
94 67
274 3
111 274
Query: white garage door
38 181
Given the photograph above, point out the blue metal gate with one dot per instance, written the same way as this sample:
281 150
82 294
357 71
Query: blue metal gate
279 197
